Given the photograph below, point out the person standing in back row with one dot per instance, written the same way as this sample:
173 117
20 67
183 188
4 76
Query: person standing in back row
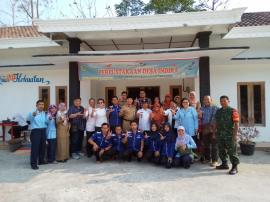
226 128
77 122
38 124
90 115
114 117
128 114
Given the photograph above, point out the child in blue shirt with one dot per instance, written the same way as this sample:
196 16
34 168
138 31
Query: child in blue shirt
51 134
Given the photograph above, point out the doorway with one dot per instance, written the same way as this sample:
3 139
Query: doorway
151 91
109 93
176 91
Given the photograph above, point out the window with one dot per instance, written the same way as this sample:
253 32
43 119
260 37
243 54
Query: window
251 102
60 94
44 94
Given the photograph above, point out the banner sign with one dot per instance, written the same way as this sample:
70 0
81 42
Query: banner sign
135 70
22 78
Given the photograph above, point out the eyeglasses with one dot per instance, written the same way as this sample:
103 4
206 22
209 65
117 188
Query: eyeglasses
100 102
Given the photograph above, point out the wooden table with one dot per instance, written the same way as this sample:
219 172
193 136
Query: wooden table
4 125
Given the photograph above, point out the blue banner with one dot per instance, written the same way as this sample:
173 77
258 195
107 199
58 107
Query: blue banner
135 70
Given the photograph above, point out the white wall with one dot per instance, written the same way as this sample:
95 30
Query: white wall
224 80
21 97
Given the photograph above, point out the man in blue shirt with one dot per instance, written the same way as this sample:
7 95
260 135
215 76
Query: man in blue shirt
102 143
118 146
38 124
77 122
114 110
207 115
135 142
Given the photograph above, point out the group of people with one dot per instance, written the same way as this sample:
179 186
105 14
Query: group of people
171 133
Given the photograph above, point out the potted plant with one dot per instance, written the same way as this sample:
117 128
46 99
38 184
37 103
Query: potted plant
246 134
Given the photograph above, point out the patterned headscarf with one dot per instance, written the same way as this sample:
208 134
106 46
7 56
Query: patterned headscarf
50 111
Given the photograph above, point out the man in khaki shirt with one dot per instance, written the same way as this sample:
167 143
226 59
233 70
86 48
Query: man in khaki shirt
128 114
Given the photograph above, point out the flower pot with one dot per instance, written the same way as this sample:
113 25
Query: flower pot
247 148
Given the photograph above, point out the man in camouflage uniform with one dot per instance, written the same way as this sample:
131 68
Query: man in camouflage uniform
227 123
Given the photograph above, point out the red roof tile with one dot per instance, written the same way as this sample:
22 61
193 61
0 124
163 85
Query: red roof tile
19 32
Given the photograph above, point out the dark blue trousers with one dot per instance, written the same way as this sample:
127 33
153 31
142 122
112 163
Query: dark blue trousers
51 150
76 140
38 146
183 161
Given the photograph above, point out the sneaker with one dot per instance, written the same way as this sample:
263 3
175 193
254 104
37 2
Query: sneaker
80 154
223 166
75 156
214 164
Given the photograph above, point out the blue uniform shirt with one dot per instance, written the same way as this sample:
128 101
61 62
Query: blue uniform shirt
51 129
101 140
117 143
153 141
168 145
134 141
38 121
114 118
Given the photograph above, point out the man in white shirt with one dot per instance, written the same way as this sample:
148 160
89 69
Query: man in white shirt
101 114
144 116
90 115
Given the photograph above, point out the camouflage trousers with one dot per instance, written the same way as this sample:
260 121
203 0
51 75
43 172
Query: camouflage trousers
227 147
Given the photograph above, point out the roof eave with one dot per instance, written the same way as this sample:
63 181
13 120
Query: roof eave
190 19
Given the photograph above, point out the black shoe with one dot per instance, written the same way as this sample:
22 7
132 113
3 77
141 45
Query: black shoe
139 159
234 170
223 166
35 167
168 165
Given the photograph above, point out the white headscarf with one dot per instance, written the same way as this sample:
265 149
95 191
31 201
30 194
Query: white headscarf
183 140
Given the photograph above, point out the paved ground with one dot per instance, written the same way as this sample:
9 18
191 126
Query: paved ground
83 180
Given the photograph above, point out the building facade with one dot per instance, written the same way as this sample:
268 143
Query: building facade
232 49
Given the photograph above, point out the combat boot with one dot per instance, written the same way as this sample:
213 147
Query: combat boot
234 170
223 166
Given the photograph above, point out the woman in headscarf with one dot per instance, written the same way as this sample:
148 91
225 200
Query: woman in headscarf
183 146
167 101
156 102
152 141
177 100
51 133
157 115
62 133
193 101
168 143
